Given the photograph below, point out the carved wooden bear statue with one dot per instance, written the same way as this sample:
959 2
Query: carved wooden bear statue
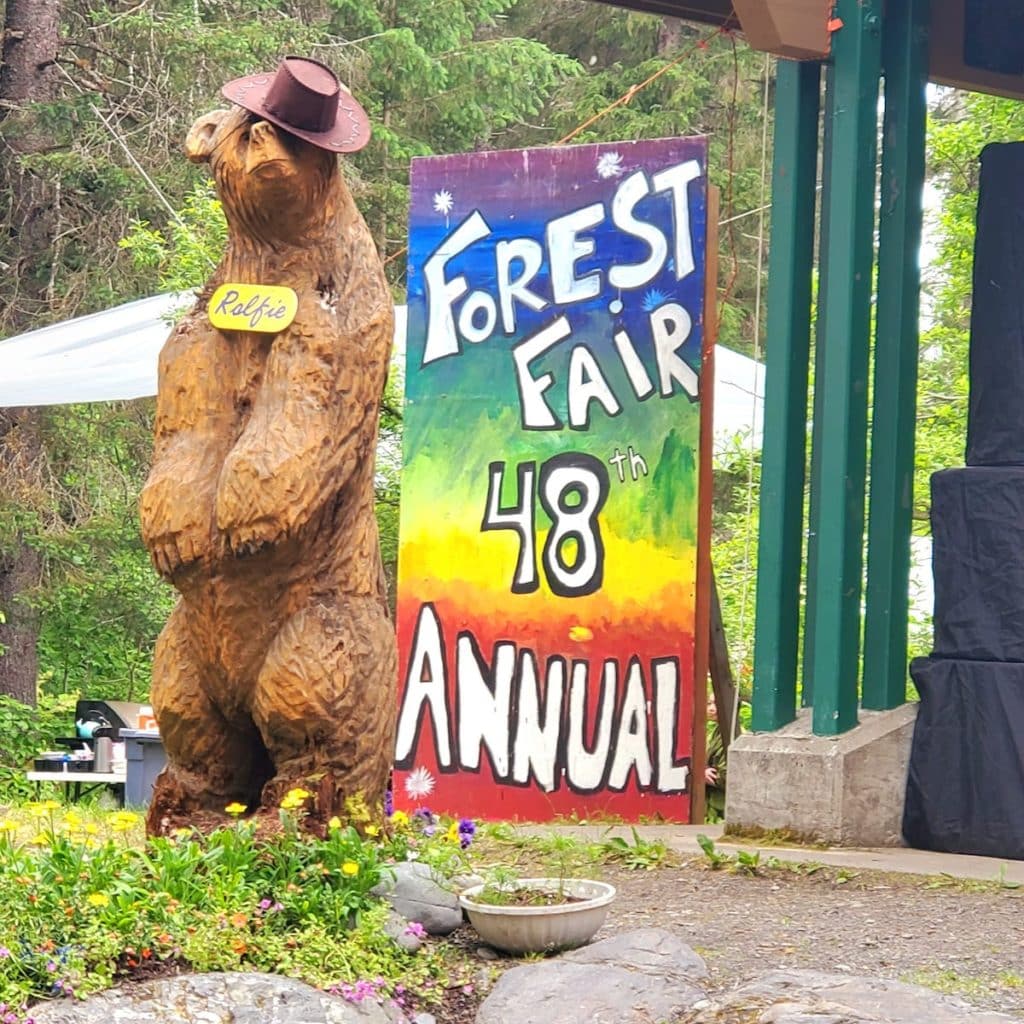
277 668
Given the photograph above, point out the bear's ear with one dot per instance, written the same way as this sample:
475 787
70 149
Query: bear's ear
200 140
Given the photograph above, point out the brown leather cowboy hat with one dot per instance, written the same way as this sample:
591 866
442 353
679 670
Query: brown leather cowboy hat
305 98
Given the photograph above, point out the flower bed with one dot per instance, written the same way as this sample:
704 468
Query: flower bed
88 901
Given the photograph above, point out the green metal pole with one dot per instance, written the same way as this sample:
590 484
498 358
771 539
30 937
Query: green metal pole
836 586
780 541
905 63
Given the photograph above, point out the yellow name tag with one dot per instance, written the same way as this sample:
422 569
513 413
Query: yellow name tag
253 307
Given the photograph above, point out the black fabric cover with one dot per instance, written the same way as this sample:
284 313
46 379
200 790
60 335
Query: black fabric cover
965 789
978 562
995 426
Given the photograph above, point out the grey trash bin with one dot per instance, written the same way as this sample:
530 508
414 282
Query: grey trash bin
144 760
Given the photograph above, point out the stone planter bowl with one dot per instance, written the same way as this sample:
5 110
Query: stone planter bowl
541 929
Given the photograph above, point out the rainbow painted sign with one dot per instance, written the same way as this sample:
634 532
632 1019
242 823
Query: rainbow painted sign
547 561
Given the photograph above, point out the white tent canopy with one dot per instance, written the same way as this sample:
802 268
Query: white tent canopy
113 355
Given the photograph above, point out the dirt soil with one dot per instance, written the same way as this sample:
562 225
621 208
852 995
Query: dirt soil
961 938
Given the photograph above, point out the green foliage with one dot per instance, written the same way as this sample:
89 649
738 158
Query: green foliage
24 731
183 258
735 518
100 602
639 855
715 858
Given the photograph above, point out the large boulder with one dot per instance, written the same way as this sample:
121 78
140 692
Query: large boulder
216 999
633 978
419 893
812 997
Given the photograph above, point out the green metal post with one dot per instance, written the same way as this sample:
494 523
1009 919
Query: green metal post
836 586
780 542
905 64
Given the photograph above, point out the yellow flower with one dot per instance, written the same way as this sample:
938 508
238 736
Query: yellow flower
400 818
51 805
452 835
334 823
295 798
72 819
125 819
8 826
350 867
39 839
235 809
98 899
182 833
372 831
91 828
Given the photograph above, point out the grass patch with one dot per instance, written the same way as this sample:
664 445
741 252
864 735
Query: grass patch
951 982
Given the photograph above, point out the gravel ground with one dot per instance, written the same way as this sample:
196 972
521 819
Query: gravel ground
965 939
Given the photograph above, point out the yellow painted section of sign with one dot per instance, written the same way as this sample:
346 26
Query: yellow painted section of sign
253 307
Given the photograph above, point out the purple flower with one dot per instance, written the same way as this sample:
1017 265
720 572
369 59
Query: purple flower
359 991
265 904
51 966
4 954
389 802
416 929
467 827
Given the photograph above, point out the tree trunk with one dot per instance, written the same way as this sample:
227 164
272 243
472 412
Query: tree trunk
31 38
18 661
28 74
21 458
670 35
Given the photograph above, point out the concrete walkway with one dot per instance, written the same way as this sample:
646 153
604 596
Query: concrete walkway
683 840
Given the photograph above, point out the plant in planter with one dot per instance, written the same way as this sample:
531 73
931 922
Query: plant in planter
537 915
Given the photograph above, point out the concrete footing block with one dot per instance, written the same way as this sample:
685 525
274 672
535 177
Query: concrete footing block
845 790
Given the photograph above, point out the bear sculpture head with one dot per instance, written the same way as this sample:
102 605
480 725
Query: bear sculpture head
274 186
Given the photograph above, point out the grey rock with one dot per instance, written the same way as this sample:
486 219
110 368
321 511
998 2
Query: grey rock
236 998
813 997
652 951
463 882
424 1018
396 927
418 893
633 978
486 953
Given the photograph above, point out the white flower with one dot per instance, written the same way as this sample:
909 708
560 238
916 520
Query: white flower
443 202
419 783
609 165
